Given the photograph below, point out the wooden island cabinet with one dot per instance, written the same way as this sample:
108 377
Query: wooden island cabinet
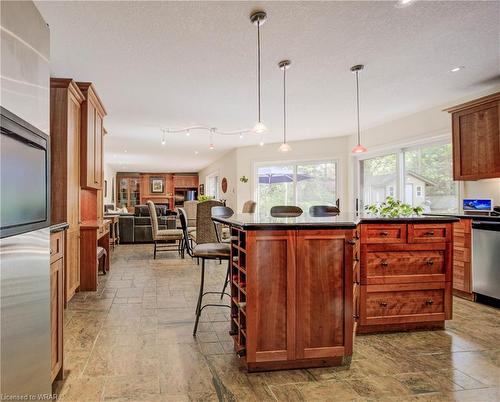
301 287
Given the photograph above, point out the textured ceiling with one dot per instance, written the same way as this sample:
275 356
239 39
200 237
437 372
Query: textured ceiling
172 64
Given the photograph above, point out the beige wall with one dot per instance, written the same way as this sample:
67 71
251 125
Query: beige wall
420 127
224 167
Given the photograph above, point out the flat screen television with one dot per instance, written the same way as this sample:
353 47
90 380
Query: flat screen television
477 204
24 175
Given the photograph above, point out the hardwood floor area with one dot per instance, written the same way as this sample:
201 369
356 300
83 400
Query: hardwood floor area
131 341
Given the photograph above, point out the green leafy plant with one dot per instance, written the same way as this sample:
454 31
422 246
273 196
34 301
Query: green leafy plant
392 208
202 198
243 179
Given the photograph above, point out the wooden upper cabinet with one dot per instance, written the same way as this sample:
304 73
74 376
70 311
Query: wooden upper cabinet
93 112
185 180
476 138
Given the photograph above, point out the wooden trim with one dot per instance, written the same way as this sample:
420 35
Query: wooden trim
476 102
89 91
331 351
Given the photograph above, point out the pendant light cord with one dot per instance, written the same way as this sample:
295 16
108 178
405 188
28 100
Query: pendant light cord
258 66
357 104
284 105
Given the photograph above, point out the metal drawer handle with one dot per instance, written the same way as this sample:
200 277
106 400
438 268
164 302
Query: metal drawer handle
429 302
384 263
430 262
384 233
429 233
383 304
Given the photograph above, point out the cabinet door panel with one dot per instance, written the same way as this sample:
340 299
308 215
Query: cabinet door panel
271 334
98 151
320 293
73 161
72 262
56 315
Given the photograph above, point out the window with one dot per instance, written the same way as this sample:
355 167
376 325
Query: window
302 184
212 185
378 178
421 176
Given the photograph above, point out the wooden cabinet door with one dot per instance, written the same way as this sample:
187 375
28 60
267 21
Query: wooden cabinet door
56 316
271 299
462 274
87 153
72 258
98 139
476 142
324 294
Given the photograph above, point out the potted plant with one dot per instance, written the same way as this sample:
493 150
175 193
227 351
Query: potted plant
392 208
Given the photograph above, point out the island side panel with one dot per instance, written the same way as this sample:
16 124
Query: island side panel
324 296
271 301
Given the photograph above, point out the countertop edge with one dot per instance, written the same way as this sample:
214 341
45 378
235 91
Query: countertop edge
59 227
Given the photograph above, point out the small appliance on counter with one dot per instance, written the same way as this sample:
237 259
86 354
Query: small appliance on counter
477 206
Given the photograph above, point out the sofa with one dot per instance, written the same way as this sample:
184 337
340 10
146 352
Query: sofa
136 227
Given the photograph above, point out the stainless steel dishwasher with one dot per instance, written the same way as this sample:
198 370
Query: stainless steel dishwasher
486 258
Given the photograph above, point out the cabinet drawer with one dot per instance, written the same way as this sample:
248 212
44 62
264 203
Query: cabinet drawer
56 246
404 266
428 233
402 306
393 233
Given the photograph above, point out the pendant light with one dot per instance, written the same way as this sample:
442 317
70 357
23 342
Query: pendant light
358 149
258 18
284 65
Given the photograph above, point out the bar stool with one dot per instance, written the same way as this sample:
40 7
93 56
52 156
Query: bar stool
102 254
207 248
283 211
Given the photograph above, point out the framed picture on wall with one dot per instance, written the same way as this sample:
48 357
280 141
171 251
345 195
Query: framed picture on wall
113 190
157 185
202 189
105 188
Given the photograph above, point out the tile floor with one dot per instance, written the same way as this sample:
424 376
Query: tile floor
131 341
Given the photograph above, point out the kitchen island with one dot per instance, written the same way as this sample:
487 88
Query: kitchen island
300 285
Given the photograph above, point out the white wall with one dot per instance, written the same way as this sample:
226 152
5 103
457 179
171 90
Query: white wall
224 167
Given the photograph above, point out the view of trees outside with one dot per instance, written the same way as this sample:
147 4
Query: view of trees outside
428 168
435 164
303 185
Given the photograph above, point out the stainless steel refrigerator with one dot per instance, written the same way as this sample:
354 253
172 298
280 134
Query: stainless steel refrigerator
24 258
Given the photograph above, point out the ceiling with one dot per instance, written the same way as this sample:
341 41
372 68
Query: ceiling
174 64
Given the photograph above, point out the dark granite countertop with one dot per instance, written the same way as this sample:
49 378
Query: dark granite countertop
59 227
345 220
468 216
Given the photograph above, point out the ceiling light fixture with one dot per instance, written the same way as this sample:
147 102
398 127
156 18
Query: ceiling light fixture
358 148
211 146
261 142
404 3
284 65
188 133
456 69
196 152
258 18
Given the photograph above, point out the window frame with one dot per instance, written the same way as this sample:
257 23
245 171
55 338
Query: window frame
399 150
294 162
207 179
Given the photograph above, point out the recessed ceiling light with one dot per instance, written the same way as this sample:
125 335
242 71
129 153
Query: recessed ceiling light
196 152
455 69
404 3
125 151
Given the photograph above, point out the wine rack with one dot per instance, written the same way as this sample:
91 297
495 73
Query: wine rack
238 290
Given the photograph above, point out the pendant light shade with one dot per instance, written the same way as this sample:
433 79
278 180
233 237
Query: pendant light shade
258 18
284 65
358 149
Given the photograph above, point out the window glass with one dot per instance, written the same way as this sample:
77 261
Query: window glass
301 184
212 186
378 178
429 178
